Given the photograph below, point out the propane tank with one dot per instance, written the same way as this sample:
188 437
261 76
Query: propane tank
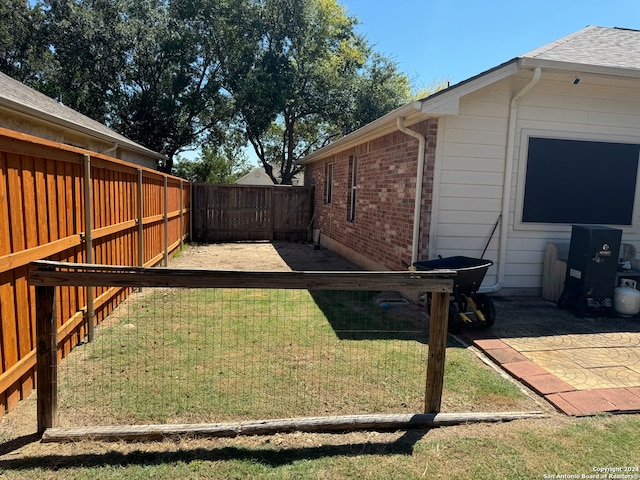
626 299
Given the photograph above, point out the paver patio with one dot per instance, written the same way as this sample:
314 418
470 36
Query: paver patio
582 366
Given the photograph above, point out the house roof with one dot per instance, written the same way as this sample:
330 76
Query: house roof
617 48
16 96
599 50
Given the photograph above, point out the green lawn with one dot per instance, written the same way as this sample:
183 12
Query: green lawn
201 356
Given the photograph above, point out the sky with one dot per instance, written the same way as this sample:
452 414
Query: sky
434 41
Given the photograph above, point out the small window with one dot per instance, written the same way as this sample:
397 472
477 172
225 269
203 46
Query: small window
353 186
328 187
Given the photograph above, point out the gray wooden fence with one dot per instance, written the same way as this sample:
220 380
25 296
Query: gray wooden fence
246 212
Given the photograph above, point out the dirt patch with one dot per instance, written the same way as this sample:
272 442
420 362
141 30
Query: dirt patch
264 256
18 439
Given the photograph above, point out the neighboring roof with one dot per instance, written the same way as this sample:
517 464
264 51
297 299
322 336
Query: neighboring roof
600 50
16 96
257 176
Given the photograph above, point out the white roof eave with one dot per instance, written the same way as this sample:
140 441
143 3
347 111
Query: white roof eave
531 62
121 141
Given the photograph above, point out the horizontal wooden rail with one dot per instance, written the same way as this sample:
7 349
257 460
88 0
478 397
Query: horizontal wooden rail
112 229
74 274
24 257
285 425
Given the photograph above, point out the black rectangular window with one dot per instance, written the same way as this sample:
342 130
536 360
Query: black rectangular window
577 181
328 189
353 183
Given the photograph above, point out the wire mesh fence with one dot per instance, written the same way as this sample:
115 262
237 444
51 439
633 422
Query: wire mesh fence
211 355
236 346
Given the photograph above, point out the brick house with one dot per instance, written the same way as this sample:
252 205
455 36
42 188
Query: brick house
508 160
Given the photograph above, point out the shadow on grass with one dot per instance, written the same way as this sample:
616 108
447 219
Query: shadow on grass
360 316
357 315
17 443
267 455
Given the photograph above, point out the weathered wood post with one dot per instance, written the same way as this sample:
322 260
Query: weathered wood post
47 358
181 215
140 219
166 222
437 349
88 239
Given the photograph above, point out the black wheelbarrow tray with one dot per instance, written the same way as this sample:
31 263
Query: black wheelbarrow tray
467 306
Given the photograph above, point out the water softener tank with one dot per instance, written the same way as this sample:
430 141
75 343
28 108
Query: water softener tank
626 299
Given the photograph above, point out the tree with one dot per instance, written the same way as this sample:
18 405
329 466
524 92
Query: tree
87 39
217 164
170 74
379 88
310 79
143 67
23 50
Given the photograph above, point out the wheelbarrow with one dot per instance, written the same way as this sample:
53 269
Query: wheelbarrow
467 306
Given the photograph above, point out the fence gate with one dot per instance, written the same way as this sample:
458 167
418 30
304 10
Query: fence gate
246 212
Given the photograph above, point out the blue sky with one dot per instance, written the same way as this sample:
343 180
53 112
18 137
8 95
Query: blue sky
435 40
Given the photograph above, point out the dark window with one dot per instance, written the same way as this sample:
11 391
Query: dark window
328 183
353 183
575 181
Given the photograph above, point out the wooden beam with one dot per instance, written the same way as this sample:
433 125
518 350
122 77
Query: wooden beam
437 350
24 257
115 228
269 427
47 355
73 274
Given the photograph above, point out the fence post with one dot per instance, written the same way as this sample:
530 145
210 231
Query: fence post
140 219
191 214
88 239
181 216
166 222
439 316
273 213
47 358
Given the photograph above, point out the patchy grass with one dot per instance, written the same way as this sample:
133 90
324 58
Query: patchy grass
178 356
517 450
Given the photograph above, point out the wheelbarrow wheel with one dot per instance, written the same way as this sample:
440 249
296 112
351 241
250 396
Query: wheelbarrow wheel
454 318
488 309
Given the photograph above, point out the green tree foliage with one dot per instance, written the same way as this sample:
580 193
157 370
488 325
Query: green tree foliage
140 66
87 39
23 49
214 165
311 78
218 163
172 74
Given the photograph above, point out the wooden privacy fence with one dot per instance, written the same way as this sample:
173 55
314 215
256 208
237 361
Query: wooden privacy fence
66 204
245 212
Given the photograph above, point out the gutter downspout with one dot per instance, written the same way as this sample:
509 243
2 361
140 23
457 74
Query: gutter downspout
111 150
419 178
507 183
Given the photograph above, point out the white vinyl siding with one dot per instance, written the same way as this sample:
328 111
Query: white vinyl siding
470 160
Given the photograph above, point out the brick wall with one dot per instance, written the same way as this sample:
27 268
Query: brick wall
383 227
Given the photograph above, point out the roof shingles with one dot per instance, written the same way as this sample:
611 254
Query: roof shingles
600 46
